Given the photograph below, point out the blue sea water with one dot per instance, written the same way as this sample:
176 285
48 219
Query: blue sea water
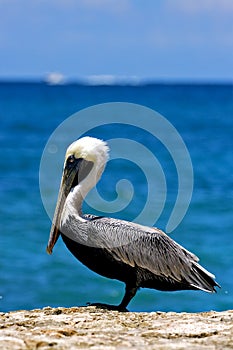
30 112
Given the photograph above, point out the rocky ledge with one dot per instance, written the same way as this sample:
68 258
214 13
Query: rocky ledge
94 328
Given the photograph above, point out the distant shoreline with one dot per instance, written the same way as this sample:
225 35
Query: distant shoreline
83 82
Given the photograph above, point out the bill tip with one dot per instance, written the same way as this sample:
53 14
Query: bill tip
49 250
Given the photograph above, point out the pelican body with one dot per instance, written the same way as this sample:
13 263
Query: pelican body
137 255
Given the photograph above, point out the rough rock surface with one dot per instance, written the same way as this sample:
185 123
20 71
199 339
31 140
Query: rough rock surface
94 328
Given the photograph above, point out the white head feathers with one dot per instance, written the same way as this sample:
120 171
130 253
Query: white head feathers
89 148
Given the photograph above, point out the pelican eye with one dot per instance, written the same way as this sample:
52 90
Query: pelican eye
71 159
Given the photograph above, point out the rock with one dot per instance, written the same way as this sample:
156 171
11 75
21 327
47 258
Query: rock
94 328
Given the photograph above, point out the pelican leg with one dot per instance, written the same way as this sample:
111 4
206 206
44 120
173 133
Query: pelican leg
129 294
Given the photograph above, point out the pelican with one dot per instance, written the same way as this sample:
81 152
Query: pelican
137 255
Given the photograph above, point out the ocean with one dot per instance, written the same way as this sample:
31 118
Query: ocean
30 112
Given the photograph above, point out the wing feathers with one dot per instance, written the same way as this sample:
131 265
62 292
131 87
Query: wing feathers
141 246
146 247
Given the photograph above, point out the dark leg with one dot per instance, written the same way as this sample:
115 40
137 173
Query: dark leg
129 294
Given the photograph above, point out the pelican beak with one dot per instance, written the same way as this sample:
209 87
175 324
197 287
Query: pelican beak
67 182
54 232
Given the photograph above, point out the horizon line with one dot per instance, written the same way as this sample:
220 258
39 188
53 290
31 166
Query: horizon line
112 80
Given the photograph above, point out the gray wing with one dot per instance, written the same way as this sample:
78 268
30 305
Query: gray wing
142 246
147 247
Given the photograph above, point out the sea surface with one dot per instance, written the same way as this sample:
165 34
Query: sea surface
202 114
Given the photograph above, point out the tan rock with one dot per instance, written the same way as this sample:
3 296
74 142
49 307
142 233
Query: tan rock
93 328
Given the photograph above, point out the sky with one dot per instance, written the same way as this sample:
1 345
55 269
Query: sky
152 39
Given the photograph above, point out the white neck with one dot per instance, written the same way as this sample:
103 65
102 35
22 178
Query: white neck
74 200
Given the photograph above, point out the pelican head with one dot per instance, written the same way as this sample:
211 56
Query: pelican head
85 160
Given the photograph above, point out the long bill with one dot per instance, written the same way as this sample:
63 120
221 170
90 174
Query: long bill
65 187
54 231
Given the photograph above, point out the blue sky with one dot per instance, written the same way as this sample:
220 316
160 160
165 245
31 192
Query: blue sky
155 39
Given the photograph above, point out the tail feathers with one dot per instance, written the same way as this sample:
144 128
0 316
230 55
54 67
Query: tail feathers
203 279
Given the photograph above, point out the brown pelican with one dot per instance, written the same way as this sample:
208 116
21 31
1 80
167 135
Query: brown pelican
137 255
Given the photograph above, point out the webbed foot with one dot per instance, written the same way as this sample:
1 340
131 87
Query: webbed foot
108 307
